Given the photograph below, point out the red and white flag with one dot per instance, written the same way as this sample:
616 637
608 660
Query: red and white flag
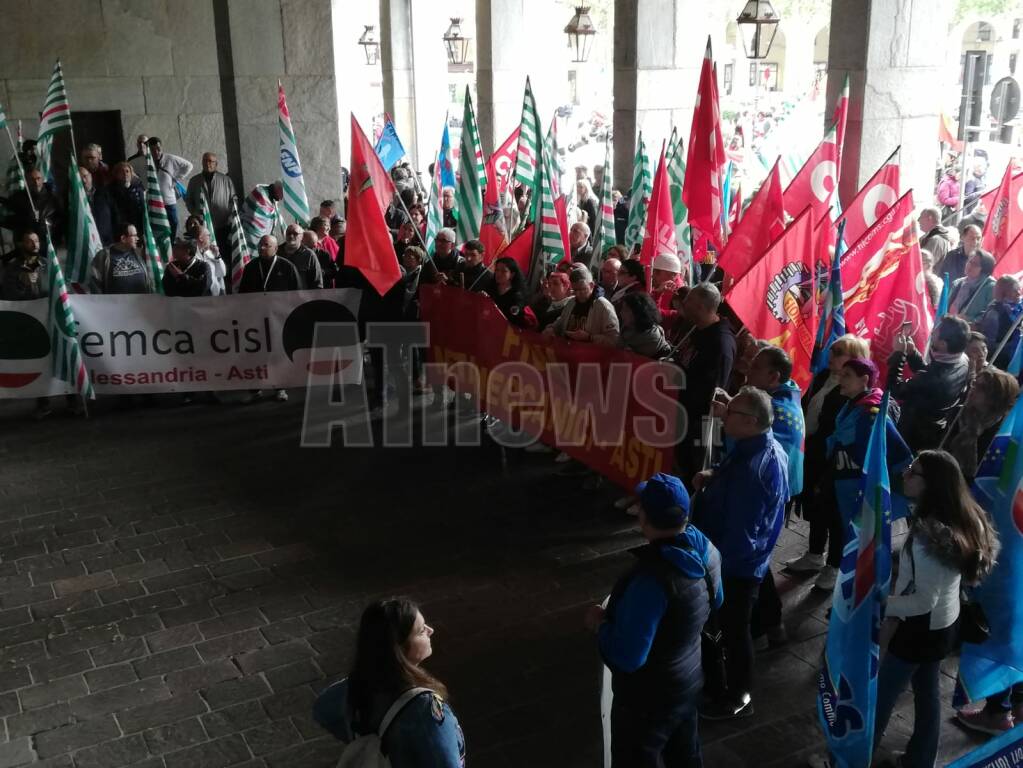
1011 262
776 299
873 200
761 224
660 221
705 163
500 167
884 284
1004 215
817 181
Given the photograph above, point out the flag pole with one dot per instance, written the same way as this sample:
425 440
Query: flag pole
21 170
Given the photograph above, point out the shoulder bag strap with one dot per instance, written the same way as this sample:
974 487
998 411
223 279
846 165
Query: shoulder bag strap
396 709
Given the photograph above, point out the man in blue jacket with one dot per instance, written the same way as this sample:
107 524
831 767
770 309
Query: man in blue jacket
741 508
649 635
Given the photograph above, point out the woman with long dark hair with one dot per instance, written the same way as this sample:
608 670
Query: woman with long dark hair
640 326
951 542
387 682
508 290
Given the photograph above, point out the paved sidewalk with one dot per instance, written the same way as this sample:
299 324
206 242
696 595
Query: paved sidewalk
176 584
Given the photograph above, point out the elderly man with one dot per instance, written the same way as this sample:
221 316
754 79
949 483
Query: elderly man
328 266
741 507
472 274
121 268
127 196
609 276
100 205
445 256
304 259
220 194
1000 316
649 636
955 260
172 172
91 158
586 317
40 195
936 238
580 250
447 206
187 274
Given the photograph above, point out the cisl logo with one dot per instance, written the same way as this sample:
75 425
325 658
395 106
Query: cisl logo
299 332
24 350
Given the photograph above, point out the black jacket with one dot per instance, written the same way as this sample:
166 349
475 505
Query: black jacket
282 276
929 400
706 357
815 463
126 203
193 281
307 264
102 214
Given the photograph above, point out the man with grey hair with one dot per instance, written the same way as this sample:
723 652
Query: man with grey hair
445 255
220 194
303 259
579 244
740 506
706 355
1001 315
586 317
934 237
447 207
91 158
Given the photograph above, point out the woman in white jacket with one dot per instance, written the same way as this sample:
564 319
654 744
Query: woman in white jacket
950 542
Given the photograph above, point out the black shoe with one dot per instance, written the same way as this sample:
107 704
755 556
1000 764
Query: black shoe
728 708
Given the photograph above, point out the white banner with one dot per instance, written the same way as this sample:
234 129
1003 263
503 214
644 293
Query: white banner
148 344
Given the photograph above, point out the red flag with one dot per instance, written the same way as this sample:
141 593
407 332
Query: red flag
776 299
1005 216
816 182
884 285
705 164
873 200
839 119
660 221
987 200
761 224
500 167
521 249
368 244
1011 262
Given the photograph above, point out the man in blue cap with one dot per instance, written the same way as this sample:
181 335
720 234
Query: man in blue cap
649 634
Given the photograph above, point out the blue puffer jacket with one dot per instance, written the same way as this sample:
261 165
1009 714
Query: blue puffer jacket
742 507
650 638
425 734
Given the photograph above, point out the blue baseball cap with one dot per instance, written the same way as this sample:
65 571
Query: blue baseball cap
664 500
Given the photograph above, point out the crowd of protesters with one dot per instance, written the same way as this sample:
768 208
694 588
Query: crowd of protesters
681 629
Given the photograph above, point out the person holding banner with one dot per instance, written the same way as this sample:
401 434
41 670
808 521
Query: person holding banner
649 634
586 317
950 542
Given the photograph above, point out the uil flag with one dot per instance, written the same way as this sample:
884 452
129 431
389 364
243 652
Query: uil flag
154 253
68 364
763 222
884 288
368 244
874 199
157 210
389 147
82 237
1005 219
639 198
705 164
471 176
776 298
56 114
816 182
295 201
606 237
239 249
527 152
997 664
832 325
847 683
660 221
839 119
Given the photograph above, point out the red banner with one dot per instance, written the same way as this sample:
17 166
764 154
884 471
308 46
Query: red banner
614 411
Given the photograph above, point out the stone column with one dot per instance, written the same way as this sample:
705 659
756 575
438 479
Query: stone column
500 68
396 66
658 52
893 52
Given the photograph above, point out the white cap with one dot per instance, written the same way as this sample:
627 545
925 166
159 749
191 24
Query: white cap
668 263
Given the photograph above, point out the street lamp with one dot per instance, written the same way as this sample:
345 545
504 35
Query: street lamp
758 23
580 31
370 44
456 43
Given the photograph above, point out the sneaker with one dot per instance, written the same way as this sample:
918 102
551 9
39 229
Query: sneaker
538 447
985 721
593 482
625 502
826 579
282 396
562 457
727 709
808 563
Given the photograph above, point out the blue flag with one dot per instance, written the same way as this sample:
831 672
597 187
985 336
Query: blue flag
942 309
1016 363
389 148
832 324
998 663
789 430
447 170
1005 751
847 683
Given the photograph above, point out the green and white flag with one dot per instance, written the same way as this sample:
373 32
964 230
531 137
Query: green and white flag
642 187
83 241
528 150
434 214
606 238
552 246
295 200
239 249
472 176
676 167
67 361
207 217
56 114
159 223
153 251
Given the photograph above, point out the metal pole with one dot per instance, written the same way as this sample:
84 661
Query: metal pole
964 115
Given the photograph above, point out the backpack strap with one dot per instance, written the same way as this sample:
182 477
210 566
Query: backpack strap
396 709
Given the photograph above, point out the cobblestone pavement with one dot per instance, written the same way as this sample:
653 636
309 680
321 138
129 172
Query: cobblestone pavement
177 583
